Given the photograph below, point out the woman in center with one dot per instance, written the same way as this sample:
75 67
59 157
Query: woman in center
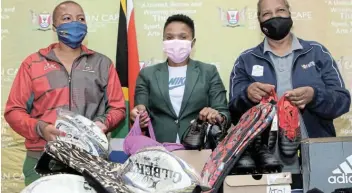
173 93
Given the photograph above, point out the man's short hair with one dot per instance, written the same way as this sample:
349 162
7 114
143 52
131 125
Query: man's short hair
63 3
181 18
287 4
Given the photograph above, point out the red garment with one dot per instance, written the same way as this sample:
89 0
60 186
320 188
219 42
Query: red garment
42 84
288 118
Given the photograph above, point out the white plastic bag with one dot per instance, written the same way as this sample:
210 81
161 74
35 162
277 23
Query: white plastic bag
59 183
82 132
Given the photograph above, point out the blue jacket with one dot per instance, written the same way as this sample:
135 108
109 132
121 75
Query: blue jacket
312 66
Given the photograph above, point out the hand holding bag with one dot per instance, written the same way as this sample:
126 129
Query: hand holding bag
135 140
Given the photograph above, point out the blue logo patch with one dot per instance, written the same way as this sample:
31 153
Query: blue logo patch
176 82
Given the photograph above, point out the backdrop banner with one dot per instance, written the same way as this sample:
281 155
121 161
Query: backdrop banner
224 28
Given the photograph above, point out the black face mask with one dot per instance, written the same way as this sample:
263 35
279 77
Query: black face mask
276 28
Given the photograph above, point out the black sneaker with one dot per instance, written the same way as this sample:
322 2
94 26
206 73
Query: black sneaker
245 165
270 141
266 161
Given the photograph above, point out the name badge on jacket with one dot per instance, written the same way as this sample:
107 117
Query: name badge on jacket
257 70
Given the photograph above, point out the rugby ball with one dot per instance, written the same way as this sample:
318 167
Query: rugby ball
154 169
83 133
59 183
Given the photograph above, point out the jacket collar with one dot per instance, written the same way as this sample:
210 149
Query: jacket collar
48 52
259 50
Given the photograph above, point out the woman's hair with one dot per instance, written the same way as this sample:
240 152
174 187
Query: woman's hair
181 18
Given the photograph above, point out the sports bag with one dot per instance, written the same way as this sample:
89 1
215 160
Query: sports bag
135 140
289 128
230 149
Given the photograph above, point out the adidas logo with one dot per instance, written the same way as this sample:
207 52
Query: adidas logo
342 174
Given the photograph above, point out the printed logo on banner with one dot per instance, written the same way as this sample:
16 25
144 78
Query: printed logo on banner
344 63
233 17
149 62
8 74
41 21
343 173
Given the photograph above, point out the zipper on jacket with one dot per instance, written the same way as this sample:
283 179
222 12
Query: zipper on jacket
69 90
69 76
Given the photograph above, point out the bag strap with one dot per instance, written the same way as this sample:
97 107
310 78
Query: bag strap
135 130
138 131
272 98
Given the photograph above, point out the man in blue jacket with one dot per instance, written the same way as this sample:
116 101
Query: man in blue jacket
303 71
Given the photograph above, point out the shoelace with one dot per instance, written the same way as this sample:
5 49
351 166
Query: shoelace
288 118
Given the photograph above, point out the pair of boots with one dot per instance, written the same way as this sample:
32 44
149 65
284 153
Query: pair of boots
258 159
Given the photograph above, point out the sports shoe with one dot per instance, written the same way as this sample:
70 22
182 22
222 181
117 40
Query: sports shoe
270 140
215 134
289 130
194 136
266 161
245 165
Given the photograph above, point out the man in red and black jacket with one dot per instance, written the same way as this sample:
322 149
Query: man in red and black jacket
64 75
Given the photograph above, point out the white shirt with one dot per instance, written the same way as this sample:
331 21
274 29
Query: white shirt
177 81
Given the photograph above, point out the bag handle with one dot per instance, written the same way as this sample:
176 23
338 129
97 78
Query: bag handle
272 98
136 128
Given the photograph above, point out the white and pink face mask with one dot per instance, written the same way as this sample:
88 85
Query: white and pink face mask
177 50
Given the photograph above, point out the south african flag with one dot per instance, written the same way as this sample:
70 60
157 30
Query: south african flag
127 66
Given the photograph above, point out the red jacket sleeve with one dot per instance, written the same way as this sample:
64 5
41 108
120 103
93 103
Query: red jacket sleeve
19 103
115 108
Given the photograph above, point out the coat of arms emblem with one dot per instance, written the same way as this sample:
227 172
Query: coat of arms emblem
41 21
233 17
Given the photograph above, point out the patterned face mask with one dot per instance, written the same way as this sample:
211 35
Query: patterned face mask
72 34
